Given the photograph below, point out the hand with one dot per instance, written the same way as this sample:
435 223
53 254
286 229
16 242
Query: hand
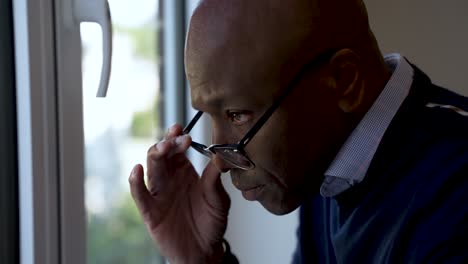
185 215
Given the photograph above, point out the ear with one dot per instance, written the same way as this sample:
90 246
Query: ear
346 80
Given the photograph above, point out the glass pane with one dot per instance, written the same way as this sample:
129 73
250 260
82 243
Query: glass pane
118 131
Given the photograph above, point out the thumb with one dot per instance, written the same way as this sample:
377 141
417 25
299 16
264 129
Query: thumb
215 193
139 191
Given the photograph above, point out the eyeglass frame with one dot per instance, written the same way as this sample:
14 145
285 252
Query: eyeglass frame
240 146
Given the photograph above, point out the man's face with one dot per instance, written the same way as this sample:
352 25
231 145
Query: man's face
292 150
235 76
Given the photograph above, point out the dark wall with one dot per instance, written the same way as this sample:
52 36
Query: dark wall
433 34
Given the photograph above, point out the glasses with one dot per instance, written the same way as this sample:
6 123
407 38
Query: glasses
235 154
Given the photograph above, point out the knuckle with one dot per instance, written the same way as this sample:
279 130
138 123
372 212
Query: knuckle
152 148
131 180
155 150
169 132
173 131
154 156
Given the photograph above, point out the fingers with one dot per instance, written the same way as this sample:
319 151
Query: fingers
173 143
139 192
162 158
211 174
215 193
173 131
161 153
161 148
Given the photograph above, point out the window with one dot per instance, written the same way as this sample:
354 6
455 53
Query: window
118 130
76 150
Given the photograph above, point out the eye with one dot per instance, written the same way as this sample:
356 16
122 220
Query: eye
239 118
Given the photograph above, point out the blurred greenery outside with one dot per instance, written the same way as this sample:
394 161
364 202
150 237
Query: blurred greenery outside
118 235
145 45
145 124
144 39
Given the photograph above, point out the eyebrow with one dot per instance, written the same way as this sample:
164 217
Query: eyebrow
206 104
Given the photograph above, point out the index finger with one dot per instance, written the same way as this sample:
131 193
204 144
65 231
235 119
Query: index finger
162 161
173 131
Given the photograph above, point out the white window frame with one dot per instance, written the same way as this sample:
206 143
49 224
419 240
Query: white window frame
37 137
50 124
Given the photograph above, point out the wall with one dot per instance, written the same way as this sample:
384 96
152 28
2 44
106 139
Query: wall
433 34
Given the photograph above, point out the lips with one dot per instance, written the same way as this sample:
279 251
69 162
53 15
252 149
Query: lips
252 194
250 190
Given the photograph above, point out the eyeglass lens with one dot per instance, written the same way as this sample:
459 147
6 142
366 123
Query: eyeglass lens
234 157
230 155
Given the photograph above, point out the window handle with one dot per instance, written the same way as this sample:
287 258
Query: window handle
97 11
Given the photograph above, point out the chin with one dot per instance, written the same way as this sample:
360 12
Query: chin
280 207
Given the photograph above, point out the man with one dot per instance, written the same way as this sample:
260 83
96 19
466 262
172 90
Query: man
372 151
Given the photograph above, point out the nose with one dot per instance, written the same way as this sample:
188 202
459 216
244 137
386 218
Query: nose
219 136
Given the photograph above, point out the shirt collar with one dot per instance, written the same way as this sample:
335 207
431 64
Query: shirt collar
352 161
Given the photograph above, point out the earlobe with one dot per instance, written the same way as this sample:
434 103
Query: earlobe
350 104
348 85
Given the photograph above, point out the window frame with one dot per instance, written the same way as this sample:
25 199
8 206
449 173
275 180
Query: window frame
50 132
36 131
9 241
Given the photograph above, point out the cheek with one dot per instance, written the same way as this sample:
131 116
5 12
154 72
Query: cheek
297 151
222 132
276 153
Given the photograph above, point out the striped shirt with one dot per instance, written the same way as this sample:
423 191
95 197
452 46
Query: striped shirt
352 161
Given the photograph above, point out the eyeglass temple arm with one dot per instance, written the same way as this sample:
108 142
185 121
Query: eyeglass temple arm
320 58
244 141
192 123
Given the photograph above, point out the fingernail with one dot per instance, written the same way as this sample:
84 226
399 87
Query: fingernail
134 170
181 139
172 128
159 145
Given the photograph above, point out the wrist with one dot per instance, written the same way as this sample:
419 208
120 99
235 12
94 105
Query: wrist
218 254
224 254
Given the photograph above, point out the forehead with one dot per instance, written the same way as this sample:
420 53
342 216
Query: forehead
224 76
221 93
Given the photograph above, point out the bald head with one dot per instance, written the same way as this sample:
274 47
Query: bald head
290 32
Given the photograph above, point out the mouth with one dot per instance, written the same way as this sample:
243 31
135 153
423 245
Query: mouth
252 194
251 191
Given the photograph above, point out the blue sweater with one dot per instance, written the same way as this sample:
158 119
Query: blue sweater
412 206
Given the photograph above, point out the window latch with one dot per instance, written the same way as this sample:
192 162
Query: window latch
96 11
